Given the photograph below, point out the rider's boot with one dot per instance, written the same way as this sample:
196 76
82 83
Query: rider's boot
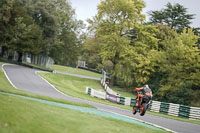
134 110
137 104
135 107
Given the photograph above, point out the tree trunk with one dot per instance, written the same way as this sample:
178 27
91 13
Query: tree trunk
115 60
113 80
20 54
10 55
3 50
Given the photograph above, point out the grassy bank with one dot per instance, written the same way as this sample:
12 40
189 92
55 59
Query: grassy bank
75 71
22 116
123 92
88 73
1 63
76 87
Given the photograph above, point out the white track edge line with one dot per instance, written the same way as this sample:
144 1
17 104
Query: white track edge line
7 76
48 82
141 121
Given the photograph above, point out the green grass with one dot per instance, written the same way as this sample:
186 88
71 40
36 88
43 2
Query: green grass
75 71
76 87
1 63
88 73
22 116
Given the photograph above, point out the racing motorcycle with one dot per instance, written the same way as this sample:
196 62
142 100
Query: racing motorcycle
143 104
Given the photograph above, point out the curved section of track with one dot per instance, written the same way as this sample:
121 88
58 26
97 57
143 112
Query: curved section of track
26 79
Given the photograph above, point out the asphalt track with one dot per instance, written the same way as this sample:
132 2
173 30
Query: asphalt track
27 79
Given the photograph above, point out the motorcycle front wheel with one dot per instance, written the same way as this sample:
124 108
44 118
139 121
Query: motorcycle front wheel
143 109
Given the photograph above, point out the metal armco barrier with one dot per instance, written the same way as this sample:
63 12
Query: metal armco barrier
95 93
122 100
133 101
112 98
125 101
164 107
128 101
155 106
194 113
173 109
184 111
88 91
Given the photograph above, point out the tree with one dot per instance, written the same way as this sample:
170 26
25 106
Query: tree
124 41
162 33
114 19
137 63
25 35
45 16
5 16
174 16
19 32
41 27
90 54
69 36
197 32
180 64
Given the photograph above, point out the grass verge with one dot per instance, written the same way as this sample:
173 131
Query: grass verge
75 86
21 116
88 73
75 71
1 63
123 92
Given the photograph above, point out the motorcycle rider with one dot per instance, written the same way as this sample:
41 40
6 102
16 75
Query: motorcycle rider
146 92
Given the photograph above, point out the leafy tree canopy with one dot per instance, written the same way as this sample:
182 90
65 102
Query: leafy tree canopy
175 16
41 27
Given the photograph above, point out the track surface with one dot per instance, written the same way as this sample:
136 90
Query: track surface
26 79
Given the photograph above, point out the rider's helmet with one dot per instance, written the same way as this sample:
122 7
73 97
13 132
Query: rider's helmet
146 86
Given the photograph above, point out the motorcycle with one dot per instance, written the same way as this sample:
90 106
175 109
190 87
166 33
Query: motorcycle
143 104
